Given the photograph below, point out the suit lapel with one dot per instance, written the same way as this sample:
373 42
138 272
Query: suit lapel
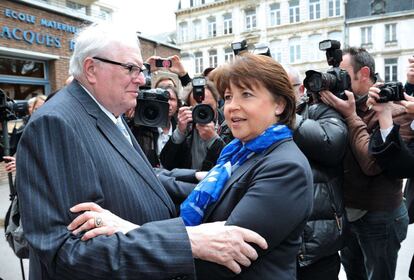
243 169
133 155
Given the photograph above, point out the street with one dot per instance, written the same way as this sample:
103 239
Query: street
10 266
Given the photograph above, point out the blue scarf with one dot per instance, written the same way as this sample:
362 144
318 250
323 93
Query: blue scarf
232 156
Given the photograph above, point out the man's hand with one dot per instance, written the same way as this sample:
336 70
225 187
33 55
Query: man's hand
345 107
184 116
177 67
408 103
206 131
10 164
225 245
410 71
383 110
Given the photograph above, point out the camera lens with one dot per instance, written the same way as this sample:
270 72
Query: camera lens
203 113
151 113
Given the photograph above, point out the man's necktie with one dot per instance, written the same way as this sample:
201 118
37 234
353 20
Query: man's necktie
123 129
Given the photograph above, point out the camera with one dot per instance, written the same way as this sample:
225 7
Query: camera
166 63
12 109
152 108
335 79
262 49
202 113
392 91
239 46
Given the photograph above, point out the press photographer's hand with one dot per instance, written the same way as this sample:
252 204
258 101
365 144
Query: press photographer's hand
184 117
206 131
345 107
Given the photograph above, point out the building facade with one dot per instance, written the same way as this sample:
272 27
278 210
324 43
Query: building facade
291 28
385 29
36 42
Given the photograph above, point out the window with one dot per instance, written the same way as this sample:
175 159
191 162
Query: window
314 9
274 14
195 3
23 78
212 58
198 59
276 50
334 8
228 55
212 31
227 24
294 50
105 14
197 33
77 7
250 19
390 71
294 11
390 33
183 35
314 54
366 35
335 35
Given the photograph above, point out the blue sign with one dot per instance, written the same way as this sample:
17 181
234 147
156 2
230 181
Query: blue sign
32 37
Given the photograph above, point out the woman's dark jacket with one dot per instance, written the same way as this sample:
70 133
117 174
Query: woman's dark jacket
179 155
147 138
321 134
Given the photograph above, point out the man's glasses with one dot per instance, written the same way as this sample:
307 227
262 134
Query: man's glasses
133 70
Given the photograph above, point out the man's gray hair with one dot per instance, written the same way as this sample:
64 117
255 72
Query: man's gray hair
97 39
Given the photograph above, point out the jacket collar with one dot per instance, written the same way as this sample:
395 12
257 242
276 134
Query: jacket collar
235 176
133 155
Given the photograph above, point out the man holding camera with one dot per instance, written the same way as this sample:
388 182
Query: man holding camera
374 203
195 142
384 148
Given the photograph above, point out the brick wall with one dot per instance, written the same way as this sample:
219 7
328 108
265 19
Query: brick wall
58 68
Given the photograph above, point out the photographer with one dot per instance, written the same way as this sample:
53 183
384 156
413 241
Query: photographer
194 145
153 139
374 203
387 145
321 134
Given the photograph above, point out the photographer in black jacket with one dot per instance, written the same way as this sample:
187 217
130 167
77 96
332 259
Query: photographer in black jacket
321 134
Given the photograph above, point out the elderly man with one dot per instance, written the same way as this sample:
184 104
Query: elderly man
77 148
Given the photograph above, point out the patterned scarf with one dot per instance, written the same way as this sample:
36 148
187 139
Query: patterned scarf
232 156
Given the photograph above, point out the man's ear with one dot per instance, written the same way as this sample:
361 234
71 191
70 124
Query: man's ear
365 73
89 69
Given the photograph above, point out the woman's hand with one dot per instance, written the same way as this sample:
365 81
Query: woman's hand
10 164
97 221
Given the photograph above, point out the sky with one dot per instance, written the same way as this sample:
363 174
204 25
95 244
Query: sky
151 17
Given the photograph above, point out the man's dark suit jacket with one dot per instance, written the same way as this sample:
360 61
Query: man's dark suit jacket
71 152
272 194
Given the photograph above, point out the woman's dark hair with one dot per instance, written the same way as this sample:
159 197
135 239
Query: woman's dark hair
250 70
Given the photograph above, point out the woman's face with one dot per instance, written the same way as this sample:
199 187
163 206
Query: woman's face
250 112
173 102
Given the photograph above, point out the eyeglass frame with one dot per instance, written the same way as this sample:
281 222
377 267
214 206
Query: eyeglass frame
129 66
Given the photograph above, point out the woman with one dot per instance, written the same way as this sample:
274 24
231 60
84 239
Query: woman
261 181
